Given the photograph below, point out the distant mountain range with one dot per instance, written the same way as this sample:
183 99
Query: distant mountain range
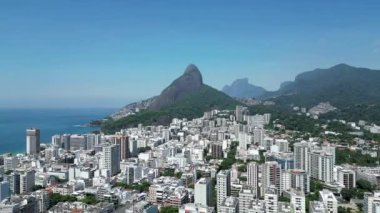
186 97
241 88
341 85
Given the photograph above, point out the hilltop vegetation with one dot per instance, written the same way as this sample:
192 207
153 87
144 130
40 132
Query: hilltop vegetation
341 85
191 106
186 97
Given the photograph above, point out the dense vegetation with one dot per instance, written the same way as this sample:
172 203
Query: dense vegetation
231 159
141 187
354 113
191 106
55 198
315 187
90 199
345 156
341 85
288 118
143 149
362 186
169 209
37 187
353 90
171 173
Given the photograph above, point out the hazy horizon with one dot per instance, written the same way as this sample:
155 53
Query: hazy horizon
108 54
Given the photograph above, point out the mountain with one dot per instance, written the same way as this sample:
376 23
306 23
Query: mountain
341 85
190 82
241 88
186 97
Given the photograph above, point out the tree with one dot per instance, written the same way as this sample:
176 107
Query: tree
37 187
347 194
242 168
343 210
227 162
283 199
315 186
178 175
89 199
241 178
199 174
143 149
169 209
141 187
169 172
55 198
364 184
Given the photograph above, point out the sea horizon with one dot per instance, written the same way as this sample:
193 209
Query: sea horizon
50 121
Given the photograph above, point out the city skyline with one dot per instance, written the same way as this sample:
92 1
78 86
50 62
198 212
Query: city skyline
76 54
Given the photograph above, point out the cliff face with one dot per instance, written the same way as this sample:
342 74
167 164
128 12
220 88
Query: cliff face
188 83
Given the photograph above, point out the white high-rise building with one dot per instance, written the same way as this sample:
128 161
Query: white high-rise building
223 186
42 200
27 181
229 205
297 201
246 195
133 147
202 192
245 139
10 163
301 155
5 190
56 140
285 180
347 178
240 111
253 176
371 202
133 172
92 140
32 141
329 148
317 207
300 180
258 136
271 201
321 166
14 181
78 142
329 201
234 173
283 145
51 153
111 158
65 141
271 176
194 208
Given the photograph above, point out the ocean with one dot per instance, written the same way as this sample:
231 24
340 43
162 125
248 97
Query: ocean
14 122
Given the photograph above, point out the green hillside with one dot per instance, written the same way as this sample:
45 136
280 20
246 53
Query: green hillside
191 106
355 91
341 85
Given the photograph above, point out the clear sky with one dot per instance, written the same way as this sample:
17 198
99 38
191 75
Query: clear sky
77 53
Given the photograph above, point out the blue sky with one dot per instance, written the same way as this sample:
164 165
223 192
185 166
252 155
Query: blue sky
97 53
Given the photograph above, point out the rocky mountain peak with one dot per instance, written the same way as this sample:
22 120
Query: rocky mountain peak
189 82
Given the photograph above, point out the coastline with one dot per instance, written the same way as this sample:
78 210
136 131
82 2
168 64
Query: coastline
14 122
